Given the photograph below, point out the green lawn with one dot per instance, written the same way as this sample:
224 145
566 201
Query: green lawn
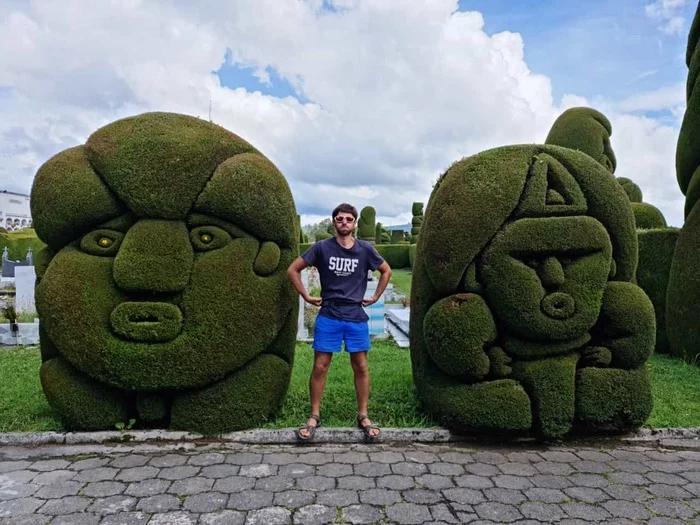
23 407
401 279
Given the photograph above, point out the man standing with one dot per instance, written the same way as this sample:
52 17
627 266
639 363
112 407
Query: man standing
343 263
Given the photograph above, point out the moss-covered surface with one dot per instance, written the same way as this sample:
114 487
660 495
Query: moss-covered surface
366 229
656 249
586 130
647 216
171 238
633 191
522 279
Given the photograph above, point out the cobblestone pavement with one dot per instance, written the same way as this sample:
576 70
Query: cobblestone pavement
268 485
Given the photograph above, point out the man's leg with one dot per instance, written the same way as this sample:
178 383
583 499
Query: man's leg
317 384
361 372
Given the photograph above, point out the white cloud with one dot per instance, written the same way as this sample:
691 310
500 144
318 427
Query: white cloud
666 12
397 90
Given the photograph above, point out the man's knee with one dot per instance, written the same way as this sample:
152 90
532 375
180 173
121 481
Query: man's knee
321 365
359 363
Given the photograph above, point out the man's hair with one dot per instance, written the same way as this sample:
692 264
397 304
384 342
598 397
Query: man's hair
344 208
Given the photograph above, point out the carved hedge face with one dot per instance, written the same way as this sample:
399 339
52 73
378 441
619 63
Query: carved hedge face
544 277
187 281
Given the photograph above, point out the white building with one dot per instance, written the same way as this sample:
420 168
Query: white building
14 211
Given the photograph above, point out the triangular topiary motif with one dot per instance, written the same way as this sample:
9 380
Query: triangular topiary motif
550 191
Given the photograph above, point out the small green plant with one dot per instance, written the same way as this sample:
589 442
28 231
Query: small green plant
125 427
10 313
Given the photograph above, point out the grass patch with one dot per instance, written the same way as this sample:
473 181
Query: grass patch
401 279
23 407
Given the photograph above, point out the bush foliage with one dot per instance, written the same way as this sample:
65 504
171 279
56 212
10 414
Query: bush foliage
171 237
523 310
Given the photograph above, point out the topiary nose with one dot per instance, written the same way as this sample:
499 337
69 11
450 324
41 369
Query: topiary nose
155 256
551 273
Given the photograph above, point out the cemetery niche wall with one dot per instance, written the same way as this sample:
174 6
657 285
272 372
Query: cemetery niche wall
168 238
524 314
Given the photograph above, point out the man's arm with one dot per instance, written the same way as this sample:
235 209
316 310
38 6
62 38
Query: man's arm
384 275
294 274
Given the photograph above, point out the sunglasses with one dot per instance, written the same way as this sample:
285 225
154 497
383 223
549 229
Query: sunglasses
349 220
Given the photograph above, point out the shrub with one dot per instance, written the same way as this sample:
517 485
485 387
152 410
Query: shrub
170 239
683 296
647 217
634 192
365 225
397 236
321 236
522 280
396 255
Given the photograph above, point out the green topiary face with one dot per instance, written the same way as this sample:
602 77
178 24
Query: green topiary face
171 245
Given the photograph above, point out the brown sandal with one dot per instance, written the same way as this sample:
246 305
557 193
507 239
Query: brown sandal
310 429
367 429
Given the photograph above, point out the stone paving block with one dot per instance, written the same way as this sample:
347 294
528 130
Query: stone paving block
380 497
56 476
445 469
148 487
464 496
585 511
137 473
294 498
159 504
493 458
386 457
11 466
113 505
372 469
505 481
524 457
357 482
541 512
274 483
591 467
17 476
500 495
168 460
549 481
173 518
482 469
626 509
207 502
693 504
297 470
129 461
594 455
693 488
395 482
628 478
219 471
418 456
351 458
518 469
337 497
587 494
224 517
498 512
408 468
191 486
67 505
249 500
206 459
88 475
89 463
314 515
629 466
665 466
422 496
316 483
259 470
546 495
334 470
103 489
626 492
361 514
669 508
315 458
280 458
48 465
668 491
10 490
550 467
434 482
233 484
629 455
666 521
441 513
126 518
559 456
473 481
580 479
180 472
407 513
76 519
19 507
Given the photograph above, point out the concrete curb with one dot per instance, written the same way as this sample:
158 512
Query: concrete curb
668 437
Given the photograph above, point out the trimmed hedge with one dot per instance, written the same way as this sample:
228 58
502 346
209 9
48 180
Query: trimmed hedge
648 217
586 130
365 225
656 249
154 280
395 254
683 296
522 280
634 192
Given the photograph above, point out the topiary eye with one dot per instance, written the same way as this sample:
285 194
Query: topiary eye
103 242
206 238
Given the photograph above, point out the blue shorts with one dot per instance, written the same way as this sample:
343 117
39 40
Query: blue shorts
329 334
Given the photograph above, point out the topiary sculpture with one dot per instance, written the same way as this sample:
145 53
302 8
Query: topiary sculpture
646 216
416 222
366 229
523 311
586 130
683 295
168 240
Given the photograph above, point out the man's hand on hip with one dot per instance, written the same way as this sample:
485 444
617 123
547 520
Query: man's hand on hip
370 300
316 301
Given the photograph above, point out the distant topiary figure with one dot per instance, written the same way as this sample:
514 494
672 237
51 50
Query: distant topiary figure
416 222
523 311
586 130
365 224
646 216
634 192
397 236
683 295
378 233
163 295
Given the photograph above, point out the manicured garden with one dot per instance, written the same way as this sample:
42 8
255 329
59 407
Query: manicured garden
23 407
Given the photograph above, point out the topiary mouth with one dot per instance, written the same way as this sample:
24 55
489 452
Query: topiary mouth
558 305
147 321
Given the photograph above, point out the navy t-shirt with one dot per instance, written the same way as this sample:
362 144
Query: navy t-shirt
343 274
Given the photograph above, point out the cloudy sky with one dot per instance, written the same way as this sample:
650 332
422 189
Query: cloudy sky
365 101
